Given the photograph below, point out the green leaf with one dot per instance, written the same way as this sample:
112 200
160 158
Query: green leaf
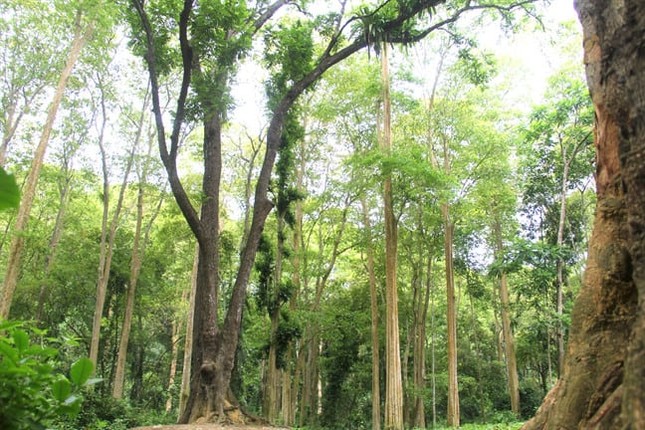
81 370
9 192
61 389
8 352
21 340
71 406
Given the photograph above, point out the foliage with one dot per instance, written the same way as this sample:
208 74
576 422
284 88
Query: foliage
106 413
9 192
32 391
329 137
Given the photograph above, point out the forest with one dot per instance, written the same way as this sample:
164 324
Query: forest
322 214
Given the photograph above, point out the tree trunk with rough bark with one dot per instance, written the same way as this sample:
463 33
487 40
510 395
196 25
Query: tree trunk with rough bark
604 369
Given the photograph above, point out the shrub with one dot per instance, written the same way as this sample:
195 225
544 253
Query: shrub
32 392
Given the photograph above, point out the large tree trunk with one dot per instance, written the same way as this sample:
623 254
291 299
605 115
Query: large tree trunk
207 396
81 36
601 386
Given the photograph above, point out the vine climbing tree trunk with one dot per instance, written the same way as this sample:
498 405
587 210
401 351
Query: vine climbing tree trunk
604 367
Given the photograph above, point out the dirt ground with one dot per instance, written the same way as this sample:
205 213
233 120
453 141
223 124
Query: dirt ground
209 427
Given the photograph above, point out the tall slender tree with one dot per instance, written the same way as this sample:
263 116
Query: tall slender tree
393 382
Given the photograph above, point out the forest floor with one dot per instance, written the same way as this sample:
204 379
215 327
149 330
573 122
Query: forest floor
210 427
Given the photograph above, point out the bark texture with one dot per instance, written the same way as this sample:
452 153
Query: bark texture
507 331
601 386
393 383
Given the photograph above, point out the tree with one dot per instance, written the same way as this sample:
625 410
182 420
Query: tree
141 239
84 25
559 158
25 72
393 384
604 363
349 99
211 39
109 224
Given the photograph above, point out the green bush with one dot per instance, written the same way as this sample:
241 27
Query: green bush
32 392
102 411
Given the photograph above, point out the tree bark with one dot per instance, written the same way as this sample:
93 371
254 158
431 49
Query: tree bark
453 388
507 332
81 36
601 386
393 383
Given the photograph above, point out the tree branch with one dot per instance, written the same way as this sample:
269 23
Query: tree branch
268 14
169 159
417 37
